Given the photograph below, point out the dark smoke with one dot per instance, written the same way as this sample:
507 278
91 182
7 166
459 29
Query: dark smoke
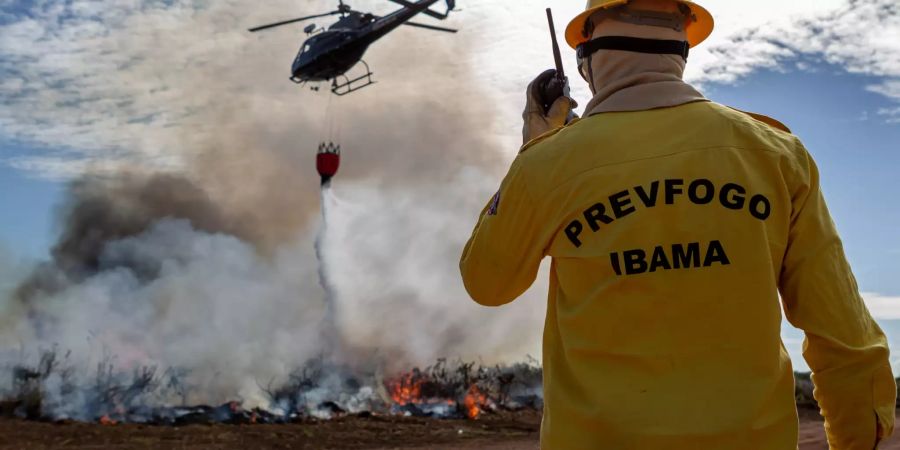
99 210
102 210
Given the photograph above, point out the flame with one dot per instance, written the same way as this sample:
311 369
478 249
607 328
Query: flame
106 420
473 402
405 390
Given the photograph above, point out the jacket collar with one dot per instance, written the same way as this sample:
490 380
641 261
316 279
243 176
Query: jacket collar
627 81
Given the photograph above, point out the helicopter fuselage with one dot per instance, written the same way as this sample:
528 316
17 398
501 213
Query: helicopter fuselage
329 54
333 52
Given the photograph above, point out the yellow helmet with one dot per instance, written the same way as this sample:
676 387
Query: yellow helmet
698 29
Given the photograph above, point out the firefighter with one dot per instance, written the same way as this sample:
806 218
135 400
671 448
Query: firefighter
678 230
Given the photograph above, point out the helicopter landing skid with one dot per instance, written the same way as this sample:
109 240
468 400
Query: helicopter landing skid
347 85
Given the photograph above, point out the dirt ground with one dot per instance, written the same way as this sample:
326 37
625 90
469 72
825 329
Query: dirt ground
492 432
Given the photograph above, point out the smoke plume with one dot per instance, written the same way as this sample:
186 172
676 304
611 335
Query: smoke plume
198 254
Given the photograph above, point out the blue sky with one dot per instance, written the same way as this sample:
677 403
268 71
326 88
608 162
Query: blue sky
28 203
86 86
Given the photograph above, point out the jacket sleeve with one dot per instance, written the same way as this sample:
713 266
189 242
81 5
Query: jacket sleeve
844 347
501 259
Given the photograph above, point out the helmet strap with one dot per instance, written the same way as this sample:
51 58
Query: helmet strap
633 44
590 74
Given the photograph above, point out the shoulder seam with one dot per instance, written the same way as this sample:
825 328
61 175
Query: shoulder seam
539 139
774 123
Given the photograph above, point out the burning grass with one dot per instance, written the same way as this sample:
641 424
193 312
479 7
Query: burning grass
466 389
53 390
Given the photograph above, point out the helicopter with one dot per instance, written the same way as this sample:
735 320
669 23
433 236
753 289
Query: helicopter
330 54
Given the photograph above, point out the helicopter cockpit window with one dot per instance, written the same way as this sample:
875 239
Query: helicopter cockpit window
310 43
304 53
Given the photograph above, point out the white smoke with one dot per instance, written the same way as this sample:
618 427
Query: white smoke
216 309
233 321
393 256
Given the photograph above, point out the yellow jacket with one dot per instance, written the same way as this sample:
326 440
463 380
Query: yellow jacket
672 232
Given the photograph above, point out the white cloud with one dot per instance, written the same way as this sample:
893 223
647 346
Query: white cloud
889 88
891 115
862 36
882 307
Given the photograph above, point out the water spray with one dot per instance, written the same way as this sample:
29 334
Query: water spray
328 161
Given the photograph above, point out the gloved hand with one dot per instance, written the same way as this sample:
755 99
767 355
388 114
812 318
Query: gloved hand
537 122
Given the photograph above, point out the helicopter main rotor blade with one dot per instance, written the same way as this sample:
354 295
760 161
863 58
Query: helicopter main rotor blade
286 22
426 11
430 27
